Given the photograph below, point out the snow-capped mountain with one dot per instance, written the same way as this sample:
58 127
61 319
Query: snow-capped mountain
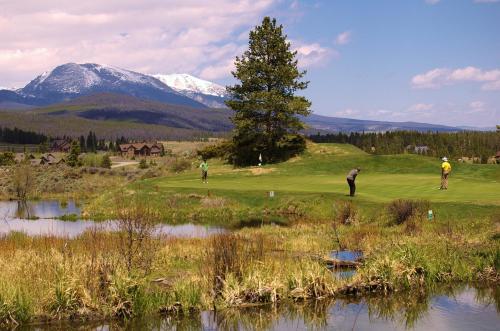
208 93
188 83
71 80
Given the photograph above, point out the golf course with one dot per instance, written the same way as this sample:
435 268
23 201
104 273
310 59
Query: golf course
276 228
319 176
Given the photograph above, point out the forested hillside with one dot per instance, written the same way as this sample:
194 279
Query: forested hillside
456 144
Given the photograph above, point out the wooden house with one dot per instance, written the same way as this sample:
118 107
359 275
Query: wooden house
60 145
142 149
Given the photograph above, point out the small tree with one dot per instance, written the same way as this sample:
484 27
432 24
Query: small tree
136 220
23 181
266 108
106 161
74 152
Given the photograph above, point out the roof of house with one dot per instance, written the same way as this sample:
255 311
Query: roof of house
139 146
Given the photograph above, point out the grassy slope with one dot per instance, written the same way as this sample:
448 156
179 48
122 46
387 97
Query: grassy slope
318 177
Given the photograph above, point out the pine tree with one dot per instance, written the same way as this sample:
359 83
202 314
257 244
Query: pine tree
82 144
73 154
266 108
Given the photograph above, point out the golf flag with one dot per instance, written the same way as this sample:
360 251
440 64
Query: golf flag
260 159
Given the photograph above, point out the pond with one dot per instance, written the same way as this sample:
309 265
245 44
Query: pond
348 256
37 209
38 218
463 308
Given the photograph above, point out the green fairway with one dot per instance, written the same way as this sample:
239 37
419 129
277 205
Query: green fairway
323 170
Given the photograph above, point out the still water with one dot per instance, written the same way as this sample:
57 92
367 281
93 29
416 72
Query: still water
39 218
462 308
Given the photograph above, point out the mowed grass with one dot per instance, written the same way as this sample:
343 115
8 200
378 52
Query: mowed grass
322 170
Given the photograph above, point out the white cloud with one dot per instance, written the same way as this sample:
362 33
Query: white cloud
439 77
419 107
347 112
343 38
432 2
477 106
313 55
149 36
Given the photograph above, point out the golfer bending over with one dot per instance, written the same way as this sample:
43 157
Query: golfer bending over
351 177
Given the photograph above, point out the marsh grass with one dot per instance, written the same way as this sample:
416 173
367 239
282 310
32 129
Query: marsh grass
403 210
346 213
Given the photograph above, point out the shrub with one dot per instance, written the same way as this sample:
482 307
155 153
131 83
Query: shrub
402 210
23 181
221 150
7 158
345 212
106 162
143 164
179 165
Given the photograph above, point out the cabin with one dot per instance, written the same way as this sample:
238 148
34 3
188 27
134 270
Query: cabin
143 149
48 159
60 145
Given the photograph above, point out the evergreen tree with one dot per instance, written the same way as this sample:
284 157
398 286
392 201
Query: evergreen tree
266 108
83 147
88 142
73 154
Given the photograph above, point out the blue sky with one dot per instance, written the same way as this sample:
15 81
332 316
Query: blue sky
432 61
391 42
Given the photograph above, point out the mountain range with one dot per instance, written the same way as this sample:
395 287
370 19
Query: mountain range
71 80
106 93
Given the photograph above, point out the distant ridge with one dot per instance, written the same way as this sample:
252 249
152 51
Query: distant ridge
340 124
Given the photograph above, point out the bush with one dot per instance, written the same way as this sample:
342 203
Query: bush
7 158
106 162
143 164
179 165
345 213
246 152
402 210
221 150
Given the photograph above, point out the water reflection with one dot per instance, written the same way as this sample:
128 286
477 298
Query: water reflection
19 216
444 309
73 229
37 209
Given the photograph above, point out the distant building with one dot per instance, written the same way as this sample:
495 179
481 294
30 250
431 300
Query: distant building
421 149
154 149
47 159
60 145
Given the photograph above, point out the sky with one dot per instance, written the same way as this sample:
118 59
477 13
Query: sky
434 61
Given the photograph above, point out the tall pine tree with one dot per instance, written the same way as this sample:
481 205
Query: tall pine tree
266 109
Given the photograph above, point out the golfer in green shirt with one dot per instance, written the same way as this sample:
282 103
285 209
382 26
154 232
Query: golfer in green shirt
204 171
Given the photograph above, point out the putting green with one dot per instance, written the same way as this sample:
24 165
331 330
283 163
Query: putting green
322 169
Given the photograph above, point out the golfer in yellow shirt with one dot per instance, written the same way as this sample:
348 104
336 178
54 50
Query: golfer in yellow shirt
445 172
